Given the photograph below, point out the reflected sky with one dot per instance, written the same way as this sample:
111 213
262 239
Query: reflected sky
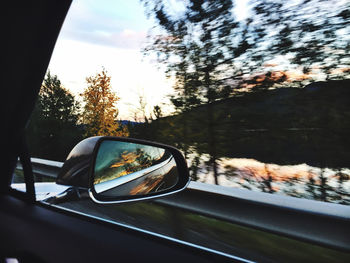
302 180
110 151
115 159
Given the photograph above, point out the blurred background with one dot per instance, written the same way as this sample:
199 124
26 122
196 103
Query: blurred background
256 94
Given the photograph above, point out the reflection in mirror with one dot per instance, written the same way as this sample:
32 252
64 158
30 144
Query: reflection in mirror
125 168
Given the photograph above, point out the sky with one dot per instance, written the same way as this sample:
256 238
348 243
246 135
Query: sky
110 34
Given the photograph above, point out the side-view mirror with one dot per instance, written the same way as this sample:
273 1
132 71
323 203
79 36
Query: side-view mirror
116 170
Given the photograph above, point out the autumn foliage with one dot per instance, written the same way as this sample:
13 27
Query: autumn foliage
100 111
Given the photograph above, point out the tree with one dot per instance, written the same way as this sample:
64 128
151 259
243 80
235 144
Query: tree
213 56
199 48
157 111
310 37
53 130
100 112
141 109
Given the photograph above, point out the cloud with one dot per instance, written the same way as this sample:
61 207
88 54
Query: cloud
109 34
124 39
106 25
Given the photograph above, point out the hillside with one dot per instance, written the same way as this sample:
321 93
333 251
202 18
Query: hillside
285 126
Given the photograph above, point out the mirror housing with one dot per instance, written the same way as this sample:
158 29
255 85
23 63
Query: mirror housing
117 170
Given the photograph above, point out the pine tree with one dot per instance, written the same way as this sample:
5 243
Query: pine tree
53 130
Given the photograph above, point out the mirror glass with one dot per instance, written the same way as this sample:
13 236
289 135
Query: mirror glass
126 168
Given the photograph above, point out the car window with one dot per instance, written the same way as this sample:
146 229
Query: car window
255 94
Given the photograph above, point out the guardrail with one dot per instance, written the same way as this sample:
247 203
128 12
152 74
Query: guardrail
318 222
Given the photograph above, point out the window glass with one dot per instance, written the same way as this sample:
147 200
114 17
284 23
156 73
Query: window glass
254 93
